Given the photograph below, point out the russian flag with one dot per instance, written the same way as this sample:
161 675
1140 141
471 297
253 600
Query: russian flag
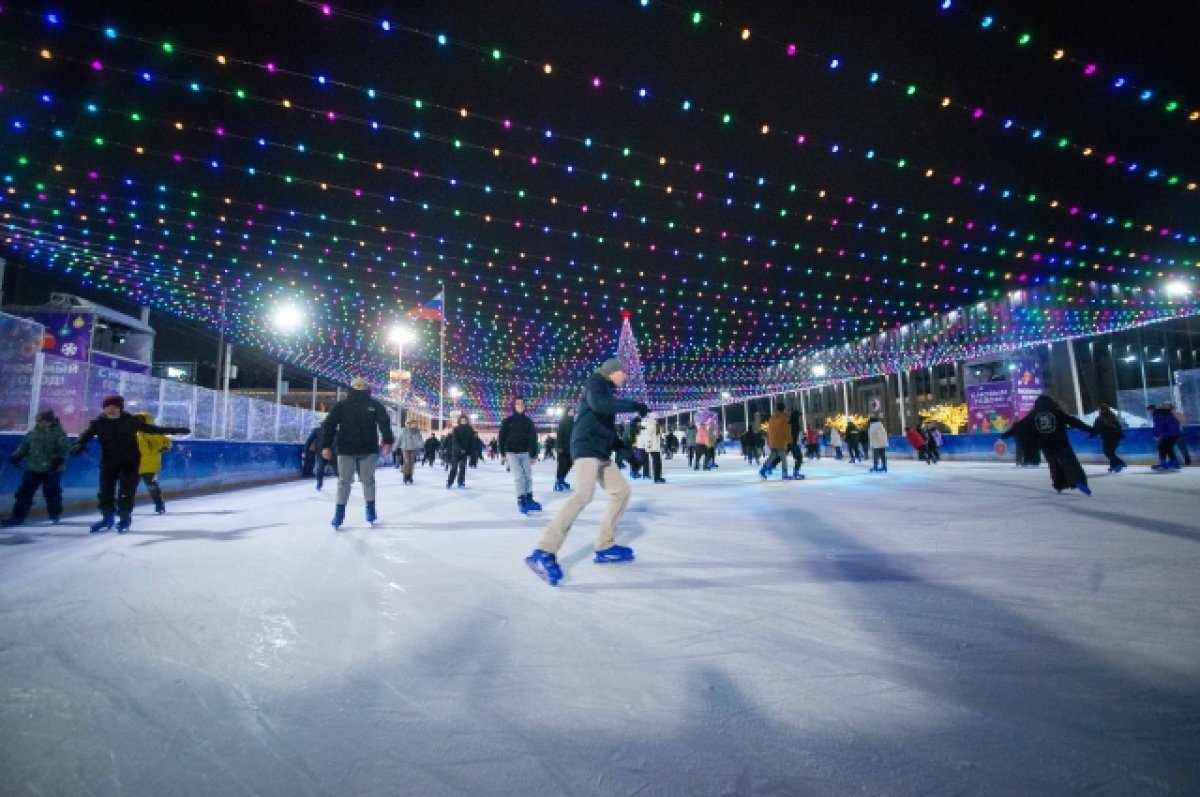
431 310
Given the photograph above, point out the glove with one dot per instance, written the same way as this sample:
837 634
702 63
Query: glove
641 409
56 463
76 450
14 459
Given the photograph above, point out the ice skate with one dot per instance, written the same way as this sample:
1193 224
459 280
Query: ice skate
371 516
615 553
530 504
124 523
103 523
1083 488
159 507
522 507
545 565
339 516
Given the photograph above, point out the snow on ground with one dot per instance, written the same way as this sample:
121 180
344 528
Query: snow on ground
958 629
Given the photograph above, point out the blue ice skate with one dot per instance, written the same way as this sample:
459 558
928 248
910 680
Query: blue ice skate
545 565
762 472
522 507
530 504
124 523
371 516
103 524
1083 488
339 516
615 553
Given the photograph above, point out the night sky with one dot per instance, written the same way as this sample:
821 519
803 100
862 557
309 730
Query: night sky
835 202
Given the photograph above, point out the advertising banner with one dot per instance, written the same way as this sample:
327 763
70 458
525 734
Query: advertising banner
1027 385
989 407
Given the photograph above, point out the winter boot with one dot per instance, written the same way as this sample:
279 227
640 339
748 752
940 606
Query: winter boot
124 523
103 524
159 507
615 553
522 507
545 565
371 516
533 506
339 516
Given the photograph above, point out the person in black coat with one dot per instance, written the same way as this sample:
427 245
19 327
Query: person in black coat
431 448
1108 426
592 442
358 421
1046 425
518 450
457 449
120 456
562 441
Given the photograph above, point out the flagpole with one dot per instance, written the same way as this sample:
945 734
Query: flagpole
442 365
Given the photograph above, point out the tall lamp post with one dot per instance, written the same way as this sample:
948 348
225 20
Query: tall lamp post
724 425
400 336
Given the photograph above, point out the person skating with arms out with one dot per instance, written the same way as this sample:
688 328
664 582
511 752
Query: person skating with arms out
591 447
120 457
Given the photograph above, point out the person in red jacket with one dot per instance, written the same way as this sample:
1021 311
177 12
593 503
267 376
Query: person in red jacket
917 441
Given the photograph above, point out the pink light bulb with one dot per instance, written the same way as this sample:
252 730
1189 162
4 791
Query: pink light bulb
326 9
596 82
96 65
800 139
978 113
1090 69
270 67
791 49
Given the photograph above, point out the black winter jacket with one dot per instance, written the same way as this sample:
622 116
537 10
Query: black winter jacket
595 421
562 435
518 434
358 421
1046 426
118 437
461 442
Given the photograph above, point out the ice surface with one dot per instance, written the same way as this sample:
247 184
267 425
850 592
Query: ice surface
958 629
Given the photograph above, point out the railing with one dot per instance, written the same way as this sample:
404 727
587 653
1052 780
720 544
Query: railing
31 381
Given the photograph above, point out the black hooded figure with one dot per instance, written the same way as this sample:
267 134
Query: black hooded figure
1046 425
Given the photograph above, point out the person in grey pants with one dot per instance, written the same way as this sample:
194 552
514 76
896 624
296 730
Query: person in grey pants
358 421
518 445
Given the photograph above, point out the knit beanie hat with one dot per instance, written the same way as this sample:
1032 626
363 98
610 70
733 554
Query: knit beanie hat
46 415
611 366
113 401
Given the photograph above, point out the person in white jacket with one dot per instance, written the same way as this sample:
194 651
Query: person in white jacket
877 438
649 441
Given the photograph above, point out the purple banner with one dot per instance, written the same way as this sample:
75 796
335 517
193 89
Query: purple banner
119 363
19 344
1027 385
989 407
67 335
64 386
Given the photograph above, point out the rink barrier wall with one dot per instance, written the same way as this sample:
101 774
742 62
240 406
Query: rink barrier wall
1138 447
190 467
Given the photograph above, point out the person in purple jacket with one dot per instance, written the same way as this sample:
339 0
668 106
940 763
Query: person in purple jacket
1166 432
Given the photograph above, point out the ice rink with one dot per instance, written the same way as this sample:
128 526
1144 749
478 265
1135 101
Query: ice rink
958 629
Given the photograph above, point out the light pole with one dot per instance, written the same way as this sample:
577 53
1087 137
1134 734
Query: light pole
724 425
400 336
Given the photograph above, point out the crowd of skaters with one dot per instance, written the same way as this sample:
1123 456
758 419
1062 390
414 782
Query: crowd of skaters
587 440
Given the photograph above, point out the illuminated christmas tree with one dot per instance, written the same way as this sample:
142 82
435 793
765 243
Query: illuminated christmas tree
635 385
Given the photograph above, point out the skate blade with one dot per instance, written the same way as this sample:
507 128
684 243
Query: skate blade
541 573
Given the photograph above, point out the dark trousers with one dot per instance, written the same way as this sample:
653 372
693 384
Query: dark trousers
654 462
1184 454
798 458
310 459
323 463
1166 447
564 466
700 456
879 457
1110 450
151 482
457 470
51 484
118 483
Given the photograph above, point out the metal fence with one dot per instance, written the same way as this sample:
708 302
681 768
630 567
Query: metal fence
32 380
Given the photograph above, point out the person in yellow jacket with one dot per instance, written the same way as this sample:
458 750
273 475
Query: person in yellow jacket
152 447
